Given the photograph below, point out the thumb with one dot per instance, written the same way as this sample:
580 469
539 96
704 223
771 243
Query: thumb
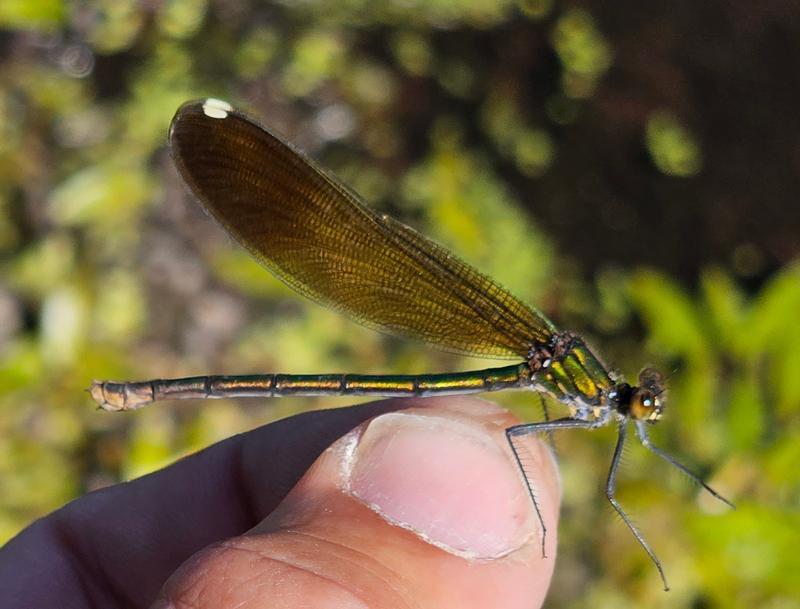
421 508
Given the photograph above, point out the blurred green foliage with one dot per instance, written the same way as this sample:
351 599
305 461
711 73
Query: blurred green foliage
109 271
672 147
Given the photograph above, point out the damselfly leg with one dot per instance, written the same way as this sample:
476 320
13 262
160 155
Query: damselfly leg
611 492
536 428
644 438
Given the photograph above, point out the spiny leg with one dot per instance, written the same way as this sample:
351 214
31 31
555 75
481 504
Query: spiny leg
535 428
528 486
644 438
611 491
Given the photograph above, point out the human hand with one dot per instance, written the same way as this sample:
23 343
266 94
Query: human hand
270 518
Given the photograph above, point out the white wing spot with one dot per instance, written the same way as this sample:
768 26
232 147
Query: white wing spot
216 108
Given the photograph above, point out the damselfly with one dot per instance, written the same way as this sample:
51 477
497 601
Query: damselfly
316 235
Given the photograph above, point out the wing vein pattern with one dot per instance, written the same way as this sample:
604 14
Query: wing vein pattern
316 235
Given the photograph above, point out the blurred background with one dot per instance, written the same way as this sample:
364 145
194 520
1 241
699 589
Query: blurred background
630 168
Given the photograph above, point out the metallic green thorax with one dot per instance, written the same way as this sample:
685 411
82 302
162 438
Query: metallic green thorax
568 371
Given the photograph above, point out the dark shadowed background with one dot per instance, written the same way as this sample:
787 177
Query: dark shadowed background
630 168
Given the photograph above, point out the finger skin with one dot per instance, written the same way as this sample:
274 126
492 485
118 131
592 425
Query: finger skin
117 546
324 546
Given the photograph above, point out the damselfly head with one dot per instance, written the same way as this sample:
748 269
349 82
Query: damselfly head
647 400
652 379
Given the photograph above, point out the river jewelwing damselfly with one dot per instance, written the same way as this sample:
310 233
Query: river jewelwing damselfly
317 236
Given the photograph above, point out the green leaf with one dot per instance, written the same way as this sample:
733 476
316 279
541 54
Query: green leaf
725 306
670 315
672 147
778 302
32 14
745 413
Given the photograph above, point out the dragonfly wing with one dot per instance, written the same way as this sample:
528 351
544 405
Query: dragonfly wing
316 235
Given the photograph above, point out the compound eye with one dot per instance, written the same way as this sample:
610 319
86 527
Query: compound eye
651 379
646 406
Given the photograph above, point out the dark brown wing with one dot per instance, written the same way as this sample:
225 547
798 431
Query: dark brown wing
317 236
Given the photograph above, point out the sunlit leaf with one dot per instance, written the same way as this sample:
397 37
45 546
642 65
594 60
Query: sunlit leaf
672 146
32 14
